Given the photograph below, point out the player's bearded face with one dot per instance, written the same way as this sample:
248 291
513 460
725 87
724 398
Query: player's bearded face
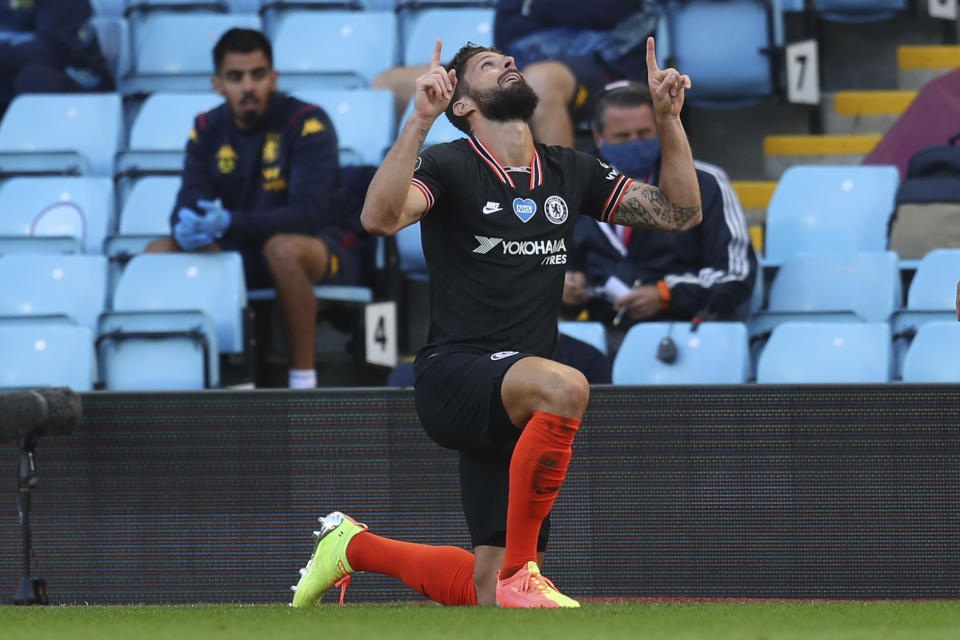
512 101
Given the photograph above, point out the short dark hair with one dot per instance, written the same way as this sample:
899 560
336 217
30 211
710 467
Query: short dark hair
237 40
458 63
624 93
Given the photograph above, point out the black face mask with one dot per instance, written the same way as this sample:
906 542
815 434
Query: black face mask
515 101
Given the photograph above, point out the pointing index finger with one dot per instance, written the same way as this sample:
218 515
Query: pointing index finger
435 60
652 66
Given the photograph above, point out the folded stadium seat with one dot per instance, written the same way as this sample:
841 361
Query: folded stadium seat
61 134
592 333
830 209
113 33
726 47
145 216
859 10
812 352
172 51
332 49
715 353
134 7
158 137
46 355
157 351
421 26
173 314
363 119
212 283
931 297
108 8
55 214
63 289
934 354
830 287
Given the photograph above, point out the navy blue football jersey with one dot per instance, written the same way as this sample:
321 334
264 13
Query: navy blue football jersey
496 240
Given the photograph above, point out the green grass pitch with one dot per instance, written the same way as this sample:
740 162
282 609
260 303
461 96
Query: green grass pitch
771 620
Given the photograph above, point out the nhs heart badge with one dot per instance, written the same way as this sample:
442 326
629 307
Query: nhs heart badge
524 208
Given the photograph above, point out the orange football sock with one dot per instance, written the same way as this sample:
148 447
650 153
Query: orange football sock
537 469
443 574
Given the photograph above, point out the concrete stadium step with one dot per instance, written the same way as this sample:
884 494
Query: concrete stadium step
782 152
863 112
754 197
918 64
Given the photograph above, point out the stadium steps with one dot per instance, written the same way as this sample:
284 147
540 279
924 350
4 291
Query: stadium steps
863 112
918 64
783 151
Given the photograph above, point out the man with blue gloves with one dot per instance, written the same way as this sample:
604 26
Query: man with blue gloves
262 177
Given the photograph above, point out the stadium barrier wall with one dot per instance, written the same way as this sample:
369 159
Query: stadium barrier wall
751 491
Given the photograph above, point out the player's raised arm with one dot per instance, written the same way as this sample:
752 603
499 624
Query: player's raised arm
391 202
675 206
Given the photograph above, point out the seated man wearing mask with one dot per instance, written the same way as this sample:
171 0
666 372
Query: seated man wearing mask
707 271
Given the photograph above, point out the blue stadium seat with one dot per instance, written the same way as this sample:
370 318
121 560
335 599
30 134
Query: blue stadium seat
934 354
71 287
172 51
134 7
158 350
108 8
332 49
592 333
861 286
40 355
930 298
61 133
807 352
716 353
55 214
363 119
739 72
830 209
212 283
859 10
160 130
113 33
441 131
454 25
145 215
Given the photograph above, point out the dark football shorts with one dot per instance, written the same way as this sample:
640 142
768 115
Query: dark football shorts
458 401
346 266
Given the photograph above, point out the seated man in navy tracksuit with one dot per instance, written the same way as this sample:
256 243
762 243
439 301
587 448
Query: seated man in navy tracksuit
707 271
261 177
49 46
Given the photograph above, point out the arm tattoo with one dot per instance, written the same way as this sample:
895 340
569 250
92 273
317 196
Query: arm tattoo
645 206
421 138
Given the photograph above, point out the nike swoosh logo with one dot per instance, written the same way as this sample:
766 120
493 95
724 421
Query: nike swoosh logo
492 208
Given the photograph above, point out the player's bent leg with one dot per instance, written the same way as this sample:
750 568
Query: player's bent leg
555 84
328 565
552 398
537 384
296 262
